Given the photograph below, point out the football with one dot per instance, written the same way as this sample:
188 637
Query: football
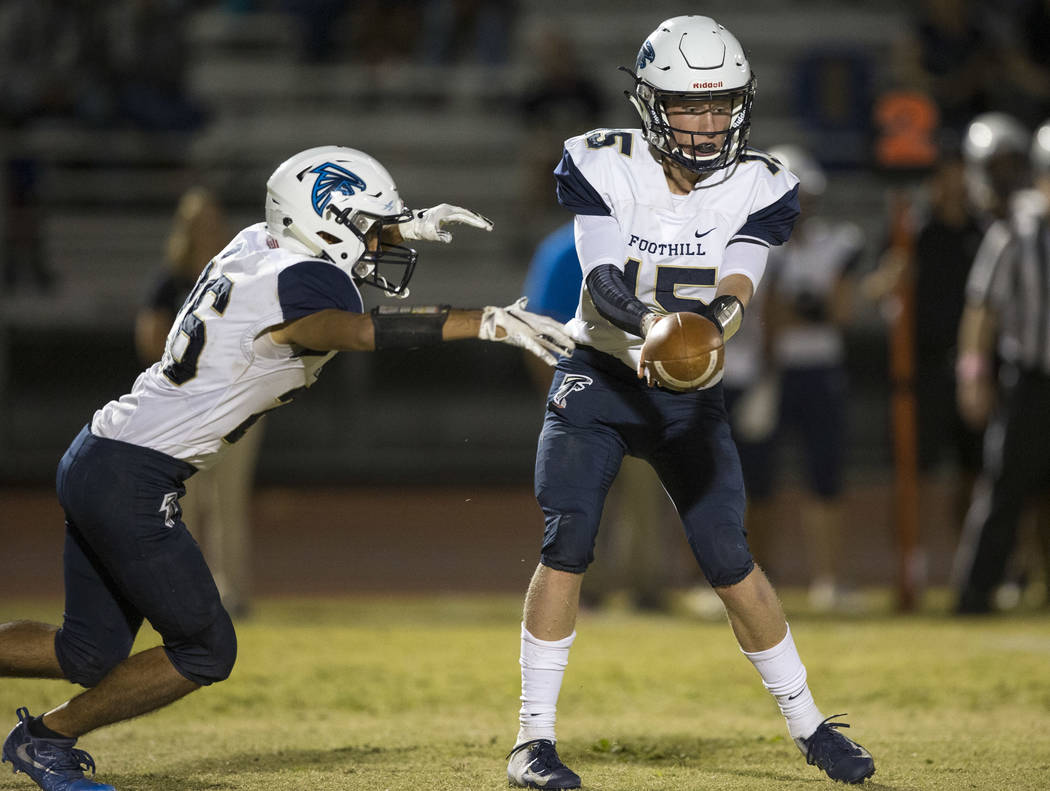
684 351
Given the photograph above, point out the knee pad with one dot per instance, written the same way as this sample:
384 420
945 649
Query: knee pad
722 553
209 655
87 661
568 542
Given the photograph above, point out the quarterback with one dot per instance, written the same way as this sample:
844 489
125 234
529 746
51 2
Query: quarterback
265 315
678 215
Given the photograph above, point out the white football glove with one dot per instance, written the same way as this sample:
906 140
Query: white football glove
427 224
538 334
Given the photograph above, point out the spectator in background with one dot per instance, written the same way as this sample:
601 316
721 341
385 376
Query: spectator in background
947 54
946 243
808 304
217 503
149 58
317 21
468 30
53 63
1007 315
53 66
385 33
752 393
21 224
1019 36
561 93
558 100
633 539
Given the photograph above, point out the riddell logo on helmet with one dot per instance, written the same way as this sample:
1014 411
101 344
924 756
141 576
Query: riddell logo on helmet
708 84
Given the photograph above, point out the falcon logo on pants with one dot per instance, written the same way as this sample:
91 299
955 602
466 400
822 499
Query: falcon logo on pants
573 383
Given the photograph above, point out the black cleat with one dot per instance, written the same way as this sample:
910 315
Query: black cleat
536 764
843 759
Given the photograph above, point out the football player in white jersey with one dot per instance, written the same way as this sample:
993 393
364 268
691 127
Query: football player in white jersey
810 299
677 215
264 316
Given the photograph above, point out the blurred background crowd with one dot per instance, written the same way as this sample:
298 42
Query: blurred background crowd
135 134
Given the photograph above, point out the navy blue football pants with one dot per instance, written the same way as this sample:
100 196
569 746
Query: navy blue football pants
812 403
128 556
598 411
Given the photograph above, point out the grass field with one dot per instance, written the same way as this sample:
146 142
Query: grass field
421 693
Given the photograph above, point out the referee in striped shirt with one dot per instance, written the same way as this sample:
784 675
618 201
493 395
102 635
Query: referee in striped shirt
1003 378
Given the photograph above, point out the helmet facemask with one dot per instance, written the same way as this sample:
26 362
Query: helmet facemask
701 154
368 228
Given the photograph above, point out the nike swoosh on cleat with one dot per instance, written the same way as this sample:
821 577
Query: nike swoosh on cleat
540 781
699 235
23 754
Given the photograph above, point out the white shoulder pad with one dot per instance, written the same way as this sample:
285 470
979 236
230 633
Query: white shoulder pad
591 167
772 179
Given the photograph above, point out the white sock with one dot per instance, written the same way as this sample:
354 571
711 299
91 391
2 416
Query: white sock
542 668
784 675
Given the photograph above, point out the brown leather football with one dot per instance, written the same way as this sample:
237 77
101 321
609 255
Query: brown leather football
684 351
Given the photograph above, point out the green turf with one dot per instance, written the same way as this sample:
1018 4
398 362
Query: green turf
408 693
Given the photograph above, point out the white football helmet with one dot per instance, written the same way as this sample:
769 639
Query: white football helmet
1040 153
811 179
995 150
332 202
991 134
693 58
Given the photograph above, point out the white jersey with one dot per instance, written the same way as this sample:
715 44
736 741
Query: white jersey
221 370
673 245
809 267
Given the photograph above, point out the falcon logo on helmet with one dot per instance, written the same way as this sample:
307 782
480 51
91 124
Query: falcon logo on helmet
332 178
646 55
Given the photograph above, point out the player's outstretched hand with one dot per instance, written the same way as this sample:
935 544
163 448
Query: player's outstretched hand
541 335
428 224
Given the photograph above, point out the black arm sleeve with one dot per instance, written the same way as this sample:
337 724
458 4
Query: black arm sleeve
614 300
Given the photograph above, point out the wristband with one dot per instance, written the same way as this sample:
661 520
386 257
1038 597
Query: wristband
406 327
727 312
971 366
647 322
